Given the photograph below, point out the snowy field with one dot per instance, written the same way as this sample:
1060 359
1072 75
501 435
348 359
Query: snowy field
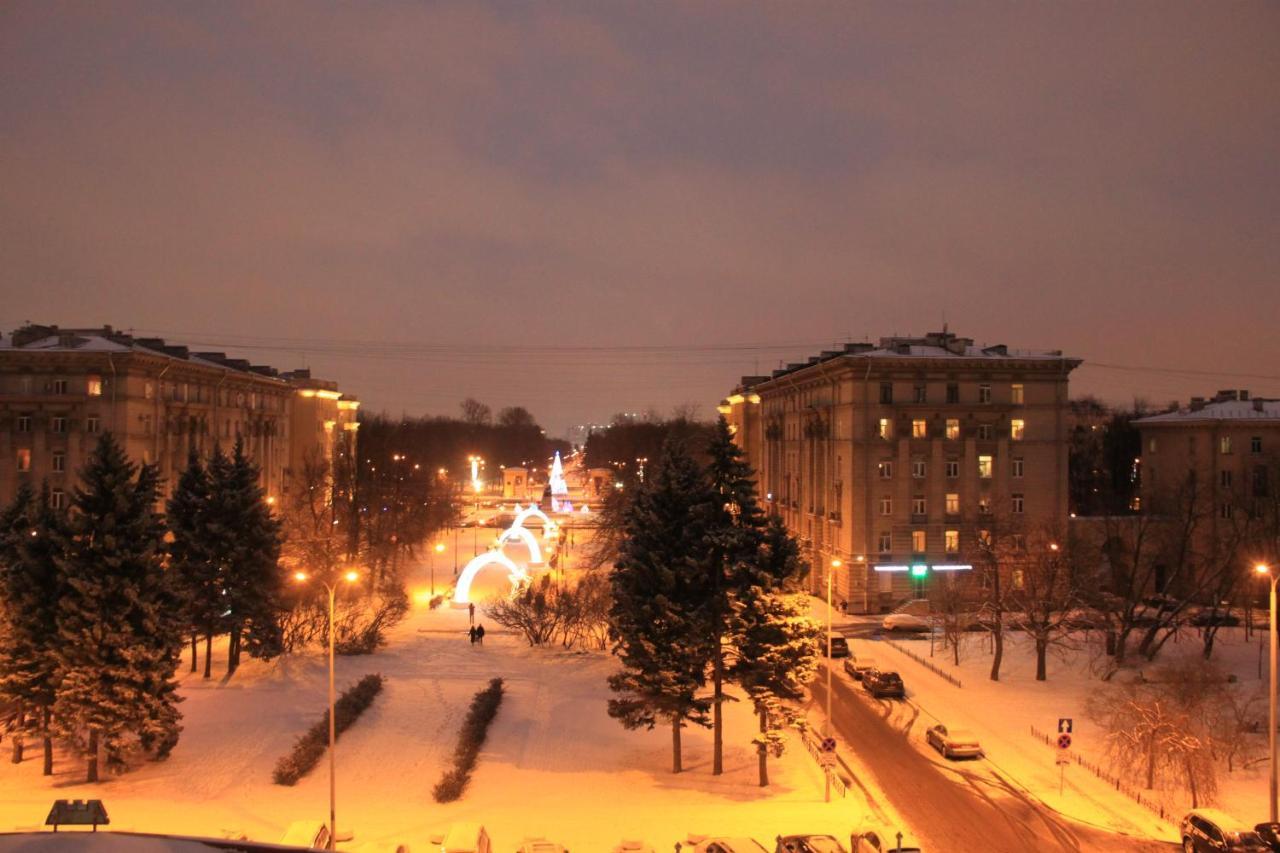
1002 714
555 764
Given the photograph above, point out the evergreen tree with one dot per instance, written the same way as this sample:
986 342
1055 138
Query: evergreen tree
734 539
254 583
119 630
658 617
193 558
776 641
30 539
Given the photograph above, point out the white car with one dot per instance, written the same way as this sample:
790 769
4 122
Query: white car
540 845
882 840
724 844
904 622
953 743
630 845
464 838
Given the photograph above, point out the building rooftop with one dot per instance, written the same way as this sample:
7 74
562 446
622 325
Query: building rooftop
942 345
1228 405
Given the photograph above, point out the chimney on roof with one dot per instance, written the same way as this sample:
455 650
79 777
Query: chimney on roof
1244 393
1197 403
1257 404
31 333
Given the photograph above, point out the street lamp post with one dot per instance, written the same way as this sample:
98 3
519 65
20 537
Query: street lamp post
331 588
439 550
1264 569
835 564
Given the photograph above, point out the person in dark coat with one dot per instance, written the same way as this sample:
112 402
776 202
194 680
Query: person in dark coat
471 633
480 634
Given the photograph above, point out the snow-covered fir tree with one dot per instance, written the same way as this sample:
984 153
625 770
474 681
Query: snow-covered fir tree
193 559
658 619
120 633
775 639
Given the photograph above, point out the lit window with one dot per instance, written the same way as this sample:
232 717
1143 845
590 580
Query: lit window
24 423
886 470
886 428
59 386
1015 394
953 429
886 506
93 387
984 506
984 538
918 469
952 538
886 542
1224 444
1019 541
58 499
984 393
1017 468
59 462
919 428
984 467
148 390
92 425
1017 504
24 459
953 469
58 424
919 506
1019 579
1017 429
953 503
918 541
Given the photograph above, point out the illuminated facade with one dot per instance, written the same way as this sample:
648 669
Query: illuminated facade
904 453
60 388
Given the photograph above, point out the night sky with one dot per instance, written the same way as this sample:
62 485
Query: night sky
602 207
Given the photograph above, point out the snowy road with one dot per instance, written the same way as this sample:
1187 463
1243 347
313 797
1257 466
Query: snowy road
951 805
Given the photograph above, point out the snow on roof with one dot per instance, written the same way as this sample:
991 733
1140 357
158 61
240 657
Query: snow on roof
105 841
1226 410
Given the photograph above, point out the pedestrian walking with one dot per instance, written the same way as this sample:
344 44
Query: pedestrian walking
480 634
471 613
471 632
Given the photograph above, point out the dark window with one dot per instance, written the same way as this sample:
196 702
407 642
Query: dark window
1260 481
921 393
1255 444
886 393
953 392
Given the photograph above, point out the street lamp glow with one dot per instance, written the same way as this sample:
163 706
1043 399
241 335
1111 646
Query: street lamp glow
300 576
439 547
836 563
1262 569
351 577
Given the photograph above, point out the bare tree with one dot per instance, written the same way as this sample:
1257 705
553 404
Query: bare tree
1043 593
999 547
950 603
476 413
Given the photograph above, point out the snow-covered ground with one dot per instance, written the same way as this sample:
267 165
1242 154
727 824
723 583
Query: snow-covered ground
1002 714
555 764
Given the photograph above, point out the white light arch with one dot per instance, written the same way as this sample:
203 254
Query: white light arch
532 510
462 594
529 540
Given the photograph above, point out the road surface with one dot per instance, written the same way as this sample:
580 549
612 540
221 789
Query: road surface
957 807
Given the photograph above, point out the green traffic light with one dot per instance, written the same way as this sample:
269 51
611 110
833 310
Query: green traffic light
919 570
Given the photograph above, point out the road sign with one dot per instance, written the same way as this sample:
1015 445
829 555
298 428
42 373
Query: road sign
1064 741
1064 725
827 759
829 744
1064 756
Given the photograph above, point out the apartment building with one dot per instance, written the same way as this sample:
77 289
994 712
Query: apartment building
895 458
61 388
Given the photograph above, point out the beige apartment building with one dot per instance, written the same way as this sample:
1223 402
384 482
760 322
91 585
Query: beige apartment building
61 388
895 458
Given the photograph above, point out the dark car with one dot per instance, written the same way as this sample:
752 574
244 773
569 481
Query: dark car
868 678
886 685
839 647
1270 833
1210 831
1215 616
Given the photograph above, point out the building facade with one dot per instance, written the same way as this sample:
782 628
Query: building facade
895 458
61 388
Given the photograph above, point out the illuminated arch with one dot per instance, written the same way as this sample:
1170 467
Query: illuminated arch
532 510
529 540
462 595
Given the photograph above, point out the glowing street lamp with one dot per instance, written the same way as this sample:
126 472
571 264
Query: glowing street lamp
350 576
835 564
1264 569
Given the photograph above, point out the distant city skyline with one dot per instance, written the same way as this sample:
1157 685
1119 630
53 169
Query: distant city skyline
587 208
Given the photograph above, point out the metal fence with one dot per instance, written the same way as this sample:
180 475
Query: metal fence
926 663
1111 779
814 746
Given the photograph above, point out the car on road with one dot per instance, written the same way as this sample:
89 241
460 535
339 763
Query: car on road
723 844
953 743
312 834
464 838
839 647
904 622
540 845
859 667
631 845
881 840
1214 830
1270 833
808 844
885 685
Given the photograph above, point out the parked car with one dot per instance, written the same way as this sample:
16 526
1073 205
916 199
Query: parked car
724 844
808 844
858 666
868 676
464 838
1213 830
886 685
1270 833
881 840
631 845
312 834
540 845
953 743
1218 616
839 646
905 622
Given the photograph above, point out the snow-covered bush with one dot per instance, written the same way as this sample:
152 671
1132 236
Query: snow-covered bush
306 753
484 707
